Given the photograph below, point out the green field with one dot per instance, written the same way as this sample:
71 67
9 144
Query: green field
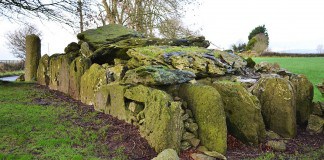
11 73
29 130
311 67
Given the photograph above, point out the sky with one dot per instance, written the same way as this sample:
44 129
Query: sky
291 25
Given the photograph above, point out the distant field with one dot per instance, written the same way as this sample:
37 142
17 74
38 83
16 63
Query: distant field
312 67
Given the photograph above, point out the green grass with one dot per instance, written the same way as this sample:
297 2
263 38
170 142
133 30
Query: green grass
311 67
32 131
314 154
11 73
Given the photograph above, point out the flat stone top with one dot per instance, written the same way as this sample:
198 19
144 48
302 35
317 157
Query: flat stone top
107 34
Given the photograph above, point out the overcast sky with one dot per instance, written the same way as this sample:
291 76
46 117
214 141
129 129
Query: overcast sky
291 24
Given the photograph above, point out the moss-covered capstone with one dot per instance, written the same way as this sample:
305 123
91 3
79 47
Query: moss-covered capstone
77 68
163 123
207 107
201 61
157 75
33 55
59 71
304 91
42 71
107 34
278 105
243 112
91 81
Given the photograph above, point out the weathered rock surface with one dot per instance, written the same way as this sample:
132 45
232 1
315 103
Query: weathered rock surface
207 107
107 34
277 145
91 81
315 124
42 71
318 109
266 67
110 100
278 105
33 55
138 93
107 52
85 50
304 91
77 68
233 60
243 112
163 126
72 47
201 61
59 71
320 87
168 154
116 73
156 75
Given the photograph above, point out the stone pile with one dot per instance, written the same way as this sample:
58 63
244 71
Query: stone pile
179 93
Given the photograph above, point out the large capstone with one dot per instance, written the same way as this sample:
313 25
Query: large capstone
243 112
42 71
91 81
304 97
33 55
77 69
157 75
207 107
107 34
278 105
201 61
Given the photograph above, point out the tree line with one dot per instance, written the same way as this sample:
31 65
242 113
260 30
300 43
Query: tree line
160 18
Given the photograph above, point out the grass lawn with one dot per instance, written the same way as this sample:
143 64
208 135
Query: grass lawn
312 67
38 130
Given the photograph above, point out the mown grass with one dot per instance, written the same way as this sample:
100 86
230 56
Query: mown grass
11 73
32 131
314 154
311 67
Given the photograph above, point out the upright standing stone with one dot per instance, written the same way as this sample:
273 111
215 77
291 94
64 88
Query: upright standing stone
33 55
278 105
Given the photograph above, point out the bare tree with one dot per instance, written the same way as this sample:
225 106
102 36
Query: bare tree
62 11
145 16
17 40
320 49
174 28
